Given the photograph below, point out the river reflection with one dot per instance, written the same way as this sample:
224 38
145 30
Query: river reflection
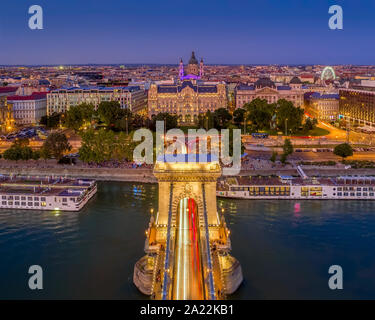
285 247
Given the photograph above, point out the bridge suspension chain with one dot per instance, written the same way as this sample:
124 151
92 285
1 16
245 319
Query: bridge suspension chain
167 249
209 259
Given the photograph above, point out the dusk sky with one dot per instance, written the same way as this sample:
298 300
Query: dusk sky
162 31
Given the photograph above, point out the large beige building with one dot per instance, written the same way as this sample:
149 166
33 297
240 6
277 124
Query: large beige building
265 88
186 99
189 96
60 100
322 106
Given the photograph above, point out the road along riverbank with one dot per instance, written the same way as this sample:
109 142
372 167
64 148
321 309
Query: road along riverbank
145 175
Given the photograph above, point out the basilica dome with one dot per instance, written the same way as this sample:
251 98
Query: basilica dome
193 59
264 82
295 80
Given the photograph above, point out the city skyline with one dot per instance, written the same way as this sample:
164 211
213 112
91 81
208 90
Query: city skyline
292 33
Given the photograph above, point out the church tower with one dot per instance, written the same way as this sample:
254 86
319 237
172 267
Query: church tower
201 71
181 69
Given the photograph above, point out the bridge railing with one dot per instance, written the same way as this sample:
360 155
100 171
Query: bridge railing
211 286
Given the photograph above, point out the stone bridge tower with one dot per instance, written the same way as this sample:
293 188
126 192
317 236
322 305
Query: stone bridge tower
192 177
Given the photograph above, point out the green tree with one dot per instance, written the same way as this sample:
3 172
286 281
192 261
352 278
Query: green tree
288 116
123 147
80 115
170 120
309 124
287 147
259 113
125 121
206 120
51 121
343 150
19 150
55 146
232 127
109 112
103 145
96 146
287 150
221 118
35 155
137 122
13 153
238 116
26 153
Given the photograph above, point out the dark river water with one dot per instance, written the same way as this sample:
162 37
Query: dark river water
285 247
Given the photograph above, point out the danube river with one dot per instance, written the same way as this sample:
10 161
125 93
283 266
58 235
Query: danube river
285 247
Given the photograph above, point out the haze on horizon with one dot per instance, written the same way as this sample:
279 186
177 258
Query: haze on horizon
289 32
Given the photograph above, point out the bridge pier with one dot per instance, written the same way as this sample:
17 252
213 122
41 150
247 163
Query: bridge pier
143 275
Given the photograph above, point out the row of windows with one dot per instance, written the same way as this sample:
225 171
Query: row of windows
352 189
269 193
306 194
23 204
353 194
23 198
260 189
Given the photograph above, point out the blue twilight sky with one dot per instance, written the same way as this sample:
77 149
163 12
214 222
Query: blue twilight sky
162 31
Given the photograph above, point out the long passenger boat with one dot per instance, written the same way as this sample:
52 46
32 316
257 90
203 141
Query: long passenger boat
288 187
45 193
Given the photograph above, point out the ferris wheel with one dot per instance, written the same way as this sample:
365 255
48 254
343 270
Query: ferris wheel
328 74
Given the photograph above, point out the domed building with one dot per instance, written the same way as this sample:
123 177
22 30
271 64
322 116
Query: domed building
189 96
295 80
194 71
264 83
295 83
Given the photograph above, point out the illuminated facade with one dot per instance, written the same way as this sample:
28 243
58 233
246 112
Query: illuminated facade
60 100
28 109
358 105
265 88
186 99
187 241
322 107
6 110
189 96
